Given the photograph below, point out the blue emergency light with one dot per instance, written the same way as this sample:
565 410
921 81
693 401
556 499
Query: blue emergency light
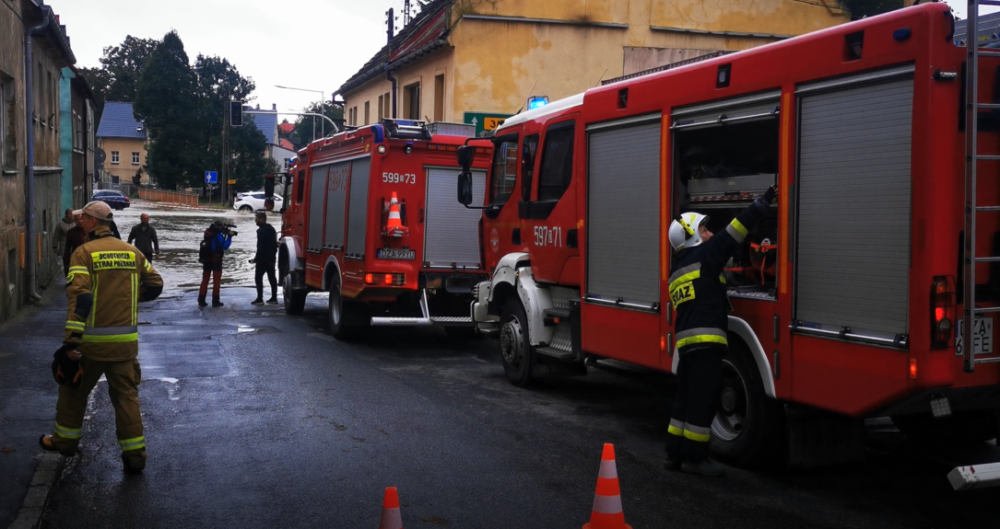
537 102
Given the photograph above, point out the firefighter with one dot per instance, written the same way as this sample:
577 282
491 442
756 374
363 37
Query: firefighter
698 294
107 279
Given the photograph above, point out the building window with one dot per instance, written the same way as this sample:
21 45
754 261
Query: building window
387 101
381 108
114 156
8 138
411 101
439 98
135 158
77 132
368 112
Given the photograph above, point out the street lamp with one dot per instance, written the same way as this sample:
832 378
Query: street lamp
322 94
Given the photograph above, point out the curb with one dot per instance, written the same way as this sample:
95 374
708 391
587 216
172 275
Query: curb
46 476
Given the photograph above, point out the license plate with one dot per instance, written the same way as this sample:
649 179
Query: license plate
397 255
983 337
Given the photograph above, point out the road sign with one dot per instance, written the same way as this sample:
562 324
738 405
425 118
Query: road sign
485 122
232 182
211 177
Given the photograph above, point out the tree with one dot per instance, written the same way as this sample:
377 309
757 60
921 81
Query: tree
303 133
249 160
219 82
166 102
121 67
866 8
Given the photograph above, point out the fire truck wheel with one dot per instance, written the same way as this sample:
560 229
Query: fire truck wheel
346 318
295 299
748 426
516 352
960 428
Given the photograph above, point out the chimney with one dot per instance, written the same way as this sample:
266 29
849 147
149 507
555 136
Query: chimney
274 107
391 23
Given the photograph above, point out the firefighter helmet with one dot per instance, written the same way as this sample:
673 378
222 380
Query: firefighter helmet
684 230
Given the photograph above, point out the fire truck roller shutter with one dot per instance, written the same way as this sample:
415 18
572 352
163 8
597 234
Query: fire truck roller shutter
317 186
623 209
755 107
336 205
357 222
853 240
451 232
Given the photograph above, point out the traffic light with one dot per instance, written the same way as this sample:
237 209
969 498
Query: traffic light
236 113
268 186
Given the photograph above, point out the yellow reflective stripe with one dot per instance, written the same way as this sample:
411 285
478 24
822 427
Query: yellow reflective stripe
68 433
722 278
701 438
673 430
93 306
702 338
111 338
132 444
690 276
739 227
135 299
76 326
80 269
148 266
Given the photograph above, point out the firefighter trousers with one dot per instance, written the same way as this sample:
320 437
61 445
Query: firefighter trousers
123 388
699 376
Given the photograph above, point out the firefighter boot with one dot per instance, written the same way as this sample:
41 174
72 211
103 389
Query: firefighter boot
705 467
134 461
217 303
201 301
672 462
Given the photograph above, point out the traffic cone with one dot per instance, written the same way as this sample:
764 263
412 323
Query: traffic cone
390 510
394 226
607 511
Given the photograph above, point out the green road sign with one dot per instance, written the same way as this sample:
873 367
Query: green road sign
485 122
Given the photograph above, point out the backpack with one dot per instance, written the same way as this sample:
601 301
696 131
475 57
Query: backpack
205 250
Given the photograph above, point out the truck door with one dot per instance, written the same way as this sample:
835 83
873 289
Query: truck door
549 220
621 302
501 231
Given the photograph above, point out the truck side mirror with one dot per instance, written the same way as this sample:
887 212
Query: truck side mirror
465 156
464 187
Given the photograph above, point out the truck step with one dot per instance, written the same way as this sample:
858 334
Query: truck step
558 354
400 322
451 319
557 313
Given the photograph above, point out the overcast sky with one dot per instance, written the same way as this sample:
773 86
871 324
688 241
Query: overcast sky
313 44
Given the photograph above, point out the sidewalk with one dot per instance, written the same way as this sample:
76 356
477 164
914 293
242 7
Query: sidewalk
27 397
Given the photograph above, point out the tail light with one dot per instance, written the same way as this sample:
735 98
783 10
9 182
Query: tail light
942 311
392 280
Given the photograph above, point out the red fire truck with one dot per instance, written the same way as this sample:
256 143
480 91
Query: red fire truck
370 217
846 299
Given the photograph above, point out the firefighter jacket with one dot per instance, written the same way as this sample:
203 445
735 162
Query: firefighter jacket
698 286
107 279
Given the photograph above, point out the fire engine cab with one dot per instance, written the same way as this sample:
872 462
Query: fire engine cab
371 218
847 300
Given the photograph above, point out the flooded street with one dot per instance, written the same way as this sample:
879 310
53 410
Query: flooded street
180 231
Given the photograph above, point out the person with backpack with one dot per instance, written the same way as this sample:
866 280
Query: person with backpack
213 246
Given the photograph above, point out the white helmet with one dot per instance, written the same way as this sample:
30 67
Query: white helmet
684 230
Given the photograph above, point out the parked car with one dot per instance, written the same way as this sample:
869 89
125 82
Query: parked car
115 199
250 202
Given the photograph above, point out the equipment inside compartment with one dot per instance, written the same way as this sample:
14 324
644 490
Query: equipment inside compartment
719 170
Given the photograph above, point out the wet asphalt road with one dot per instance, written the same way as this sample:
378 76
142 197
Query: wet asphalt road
258 420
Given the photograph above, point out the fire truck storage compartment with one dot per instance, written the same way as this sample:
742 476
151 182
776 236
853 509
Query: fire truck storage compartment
336 205
317 183
854 187
725 155
451 231
357 212
623 210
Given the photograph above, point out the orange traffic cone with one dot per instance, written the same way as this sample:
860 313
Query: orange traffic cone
390 510
394 227
607 511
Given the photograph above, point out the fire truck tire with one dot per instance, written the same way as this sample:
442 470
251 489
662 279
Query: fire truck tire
748 427
516 352
967 427
294 298
347 319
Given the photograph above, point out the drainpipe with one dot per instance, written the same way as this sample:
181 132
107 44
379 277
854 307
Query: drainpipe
29 193
388 75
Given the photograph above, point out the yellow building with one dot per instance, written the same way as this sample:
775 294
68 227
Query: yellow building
460 60
123 140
